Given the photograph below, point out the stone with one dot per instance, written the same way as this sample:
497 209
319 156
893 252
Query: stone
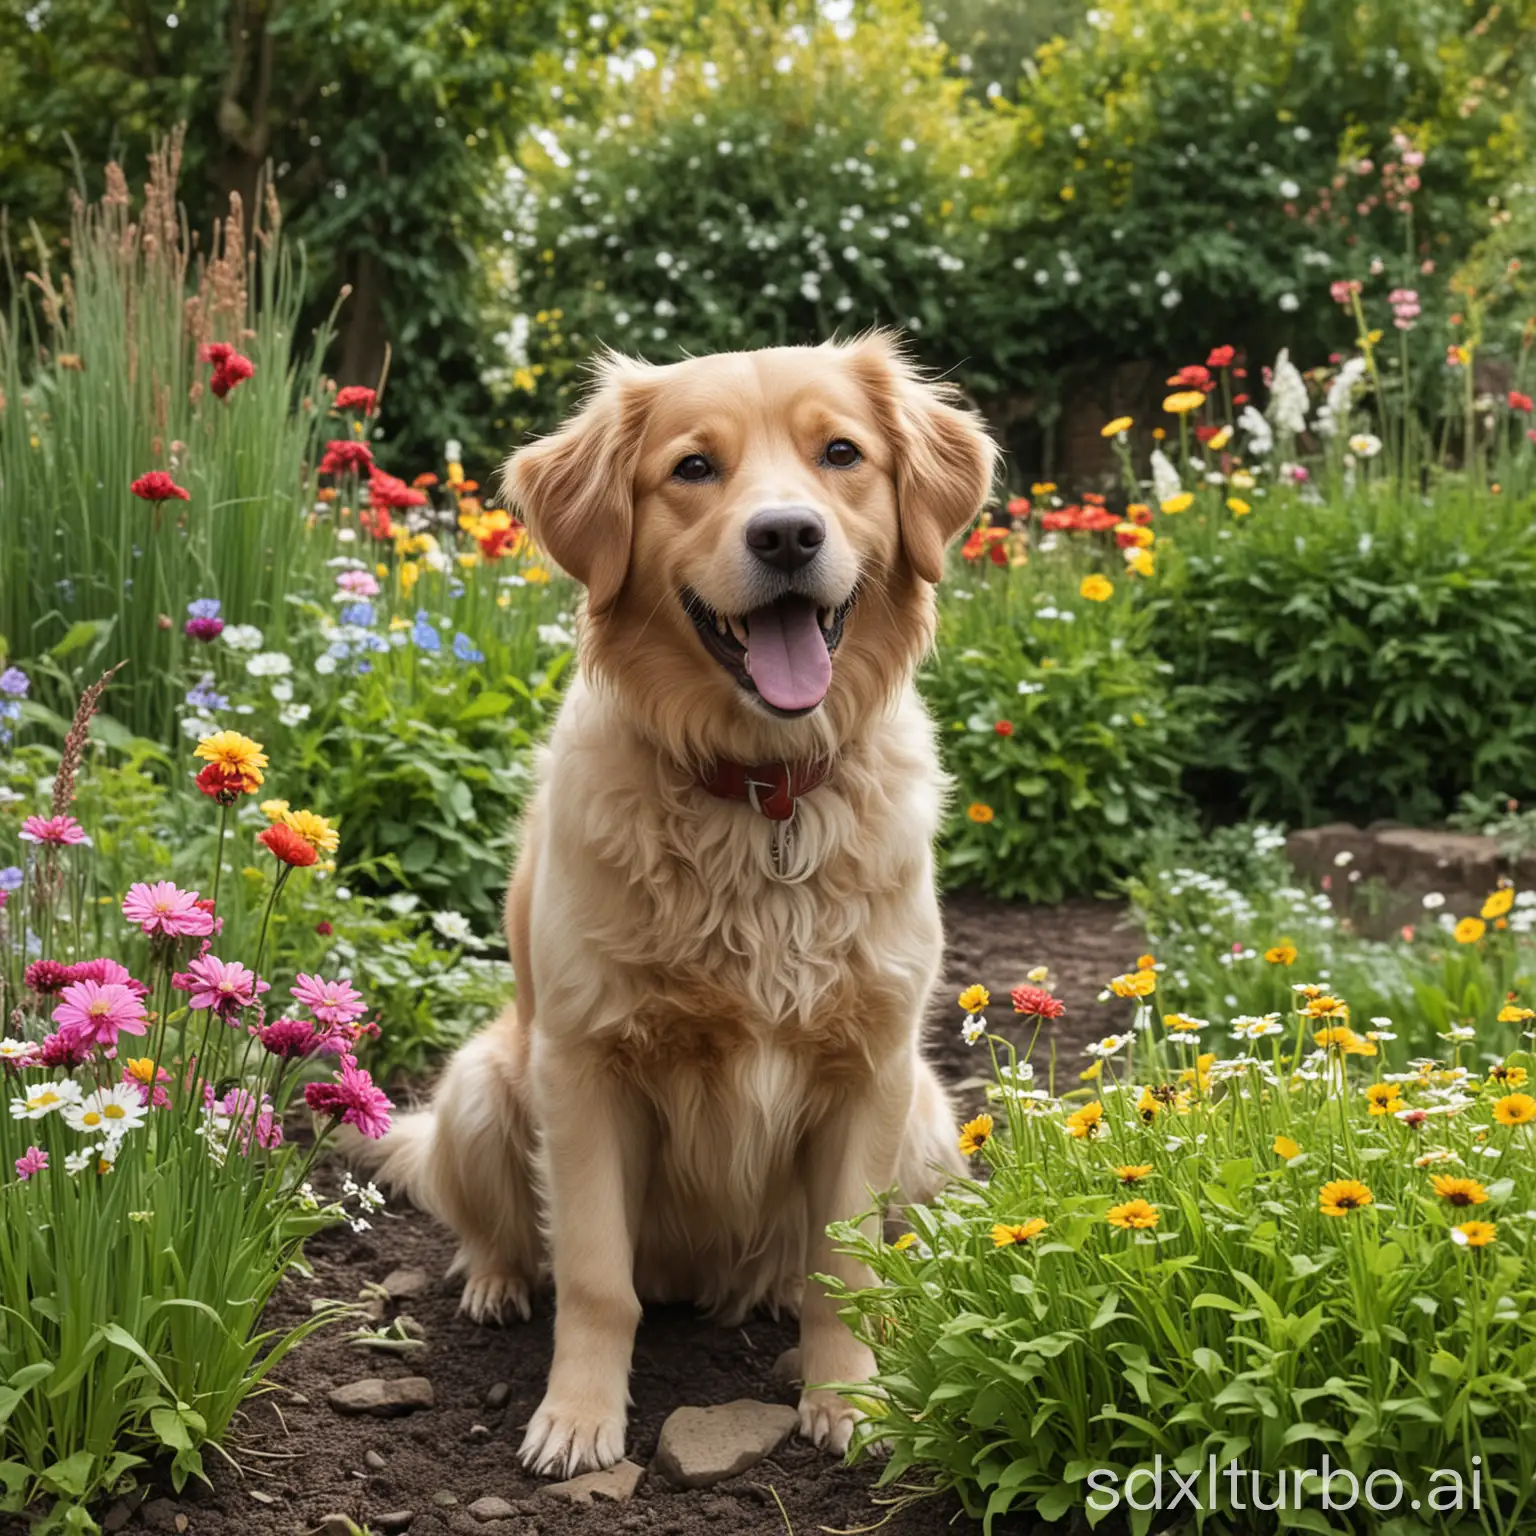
375 1461
703 1446
786 1369
491 1508
181 1524
479 1432
445 1499
499 1395
383 1399
402 1283
116 1517
261 1497
617 1483
395 1520
159 1515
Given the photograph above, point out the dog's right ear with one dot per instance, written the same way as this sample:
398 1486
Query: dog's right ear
575 488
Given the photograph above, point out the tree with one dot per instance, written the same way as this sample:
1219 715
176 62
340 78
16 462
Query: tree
384 126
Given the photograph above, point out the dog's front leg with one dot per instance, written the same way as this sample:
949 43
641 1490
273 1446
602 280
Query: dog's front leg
852 1154
596 1156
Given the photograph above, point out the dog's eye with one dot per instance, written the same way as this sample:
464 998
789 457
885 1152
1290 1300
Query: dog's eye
841 454
693 468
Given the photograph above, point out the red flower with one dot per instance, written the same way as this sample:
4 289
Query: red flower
342 454
205 629
1221 357
1194 376
286 846
158 486
218 783
986 541
359 397
1204 431
1018 506
1037 1003
385 490
324 929
1239 399
1004 727
227 375
501 541
376 520
425 478
1519 402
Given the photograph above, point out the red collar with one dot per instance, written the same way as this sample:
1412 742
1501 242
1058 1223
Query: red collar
769 788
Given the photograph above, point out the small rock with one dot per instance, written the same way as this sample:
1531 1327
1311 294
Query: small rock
402 1283
181 1524
499 1395
491 1508
383 1399
408 1325
479 1432
260 1497
444 1499
617 1483
786 1369
298 1400
159 1515
116 1517
703 1446
375 1461
395 1520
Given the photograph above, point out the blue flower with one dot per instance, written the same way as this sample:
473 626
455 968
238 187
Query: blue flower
10 709
14 682
358 613
10 878
206 697
422 632
465 649
363 667
204 608
455 588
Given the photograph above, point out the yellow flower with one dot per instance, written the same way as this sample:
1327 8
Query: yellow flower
239 759
1146 962
1183 401
1238 507
1003 1235
1068 193
1093 1073
975 998
1116 427
979 813
1458 1191
1339 1197
974 1134
273 809
1286 1148
1513 1013
1384 1098
1326 1007
455 472
1039 975
1180 503
315 830
1475 1234
1469 930
1137 983
410 574
1136 534
1133 1173
1283 953
1149 1106
1133 1216
906 1240
1042 488
1085 1123
1509 1077
1515 1109
1499 903
1242 480
537 575
1220 440
1199 1075
1143 562
1097 589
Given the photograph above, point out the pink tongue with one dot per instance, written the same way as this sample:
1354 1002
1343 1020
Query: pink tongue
787 656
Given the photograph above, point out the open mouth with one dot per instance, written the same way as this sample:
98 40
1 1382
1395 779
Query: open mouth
782 651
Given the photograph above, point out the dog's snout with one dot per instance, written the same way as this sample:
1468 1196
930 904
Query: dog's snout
786 537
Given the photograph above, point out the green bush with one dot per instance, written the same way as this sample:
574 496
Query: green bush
1245 1262
1056 723
1371 657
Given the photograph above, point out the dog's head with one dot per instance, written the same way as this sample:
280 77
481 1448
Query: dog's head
758 533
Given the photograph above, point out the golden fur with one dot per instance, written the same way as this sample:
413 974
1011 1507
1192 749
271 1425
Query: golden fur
714 1049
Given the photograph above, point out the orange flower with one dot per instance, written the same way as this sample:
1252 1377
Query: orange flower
286 846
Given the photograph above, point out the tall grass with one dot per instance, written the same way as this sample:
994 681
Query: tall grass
102 382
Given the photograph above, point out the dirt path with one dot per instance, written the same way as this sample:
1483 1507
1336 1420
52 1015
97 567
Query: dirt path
304 1461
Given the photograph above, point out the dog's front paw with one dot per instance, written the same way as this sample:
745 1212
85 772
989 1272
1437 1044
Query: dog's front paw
565 1439
490 1294
827 1420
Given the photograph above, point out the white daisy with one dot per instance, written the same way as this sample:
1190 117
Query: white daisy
112 1111
44 1099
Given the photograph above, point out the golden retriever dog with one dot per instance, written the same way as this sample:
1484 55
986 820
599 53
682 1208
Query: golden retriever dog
723 917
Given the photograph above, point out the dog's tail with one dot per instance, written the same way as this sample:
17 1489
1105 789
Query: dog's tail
402 1161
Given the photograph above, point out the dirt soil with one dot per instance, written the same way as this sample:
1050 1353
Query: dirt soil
300 1461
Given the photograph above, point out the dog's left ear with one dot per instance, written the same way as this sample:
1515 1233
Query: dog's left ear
576 486
945 458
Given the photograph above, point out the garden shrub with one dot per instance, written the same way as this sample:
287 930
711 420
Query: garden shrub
781 177
1372 657
1251 1255
152 1204
1055 720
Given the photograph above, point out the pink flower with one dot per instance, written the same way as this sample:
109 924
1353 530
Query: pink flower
95 1013
64 1048
353 1097
358 583
45 977
106 971
242 1114
164 908
225 986
332 1002
33 1160
295 1037
53 829
205 629
138 1074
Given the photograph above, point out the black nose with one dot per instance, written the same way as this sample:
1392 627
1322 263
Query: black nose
786 537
